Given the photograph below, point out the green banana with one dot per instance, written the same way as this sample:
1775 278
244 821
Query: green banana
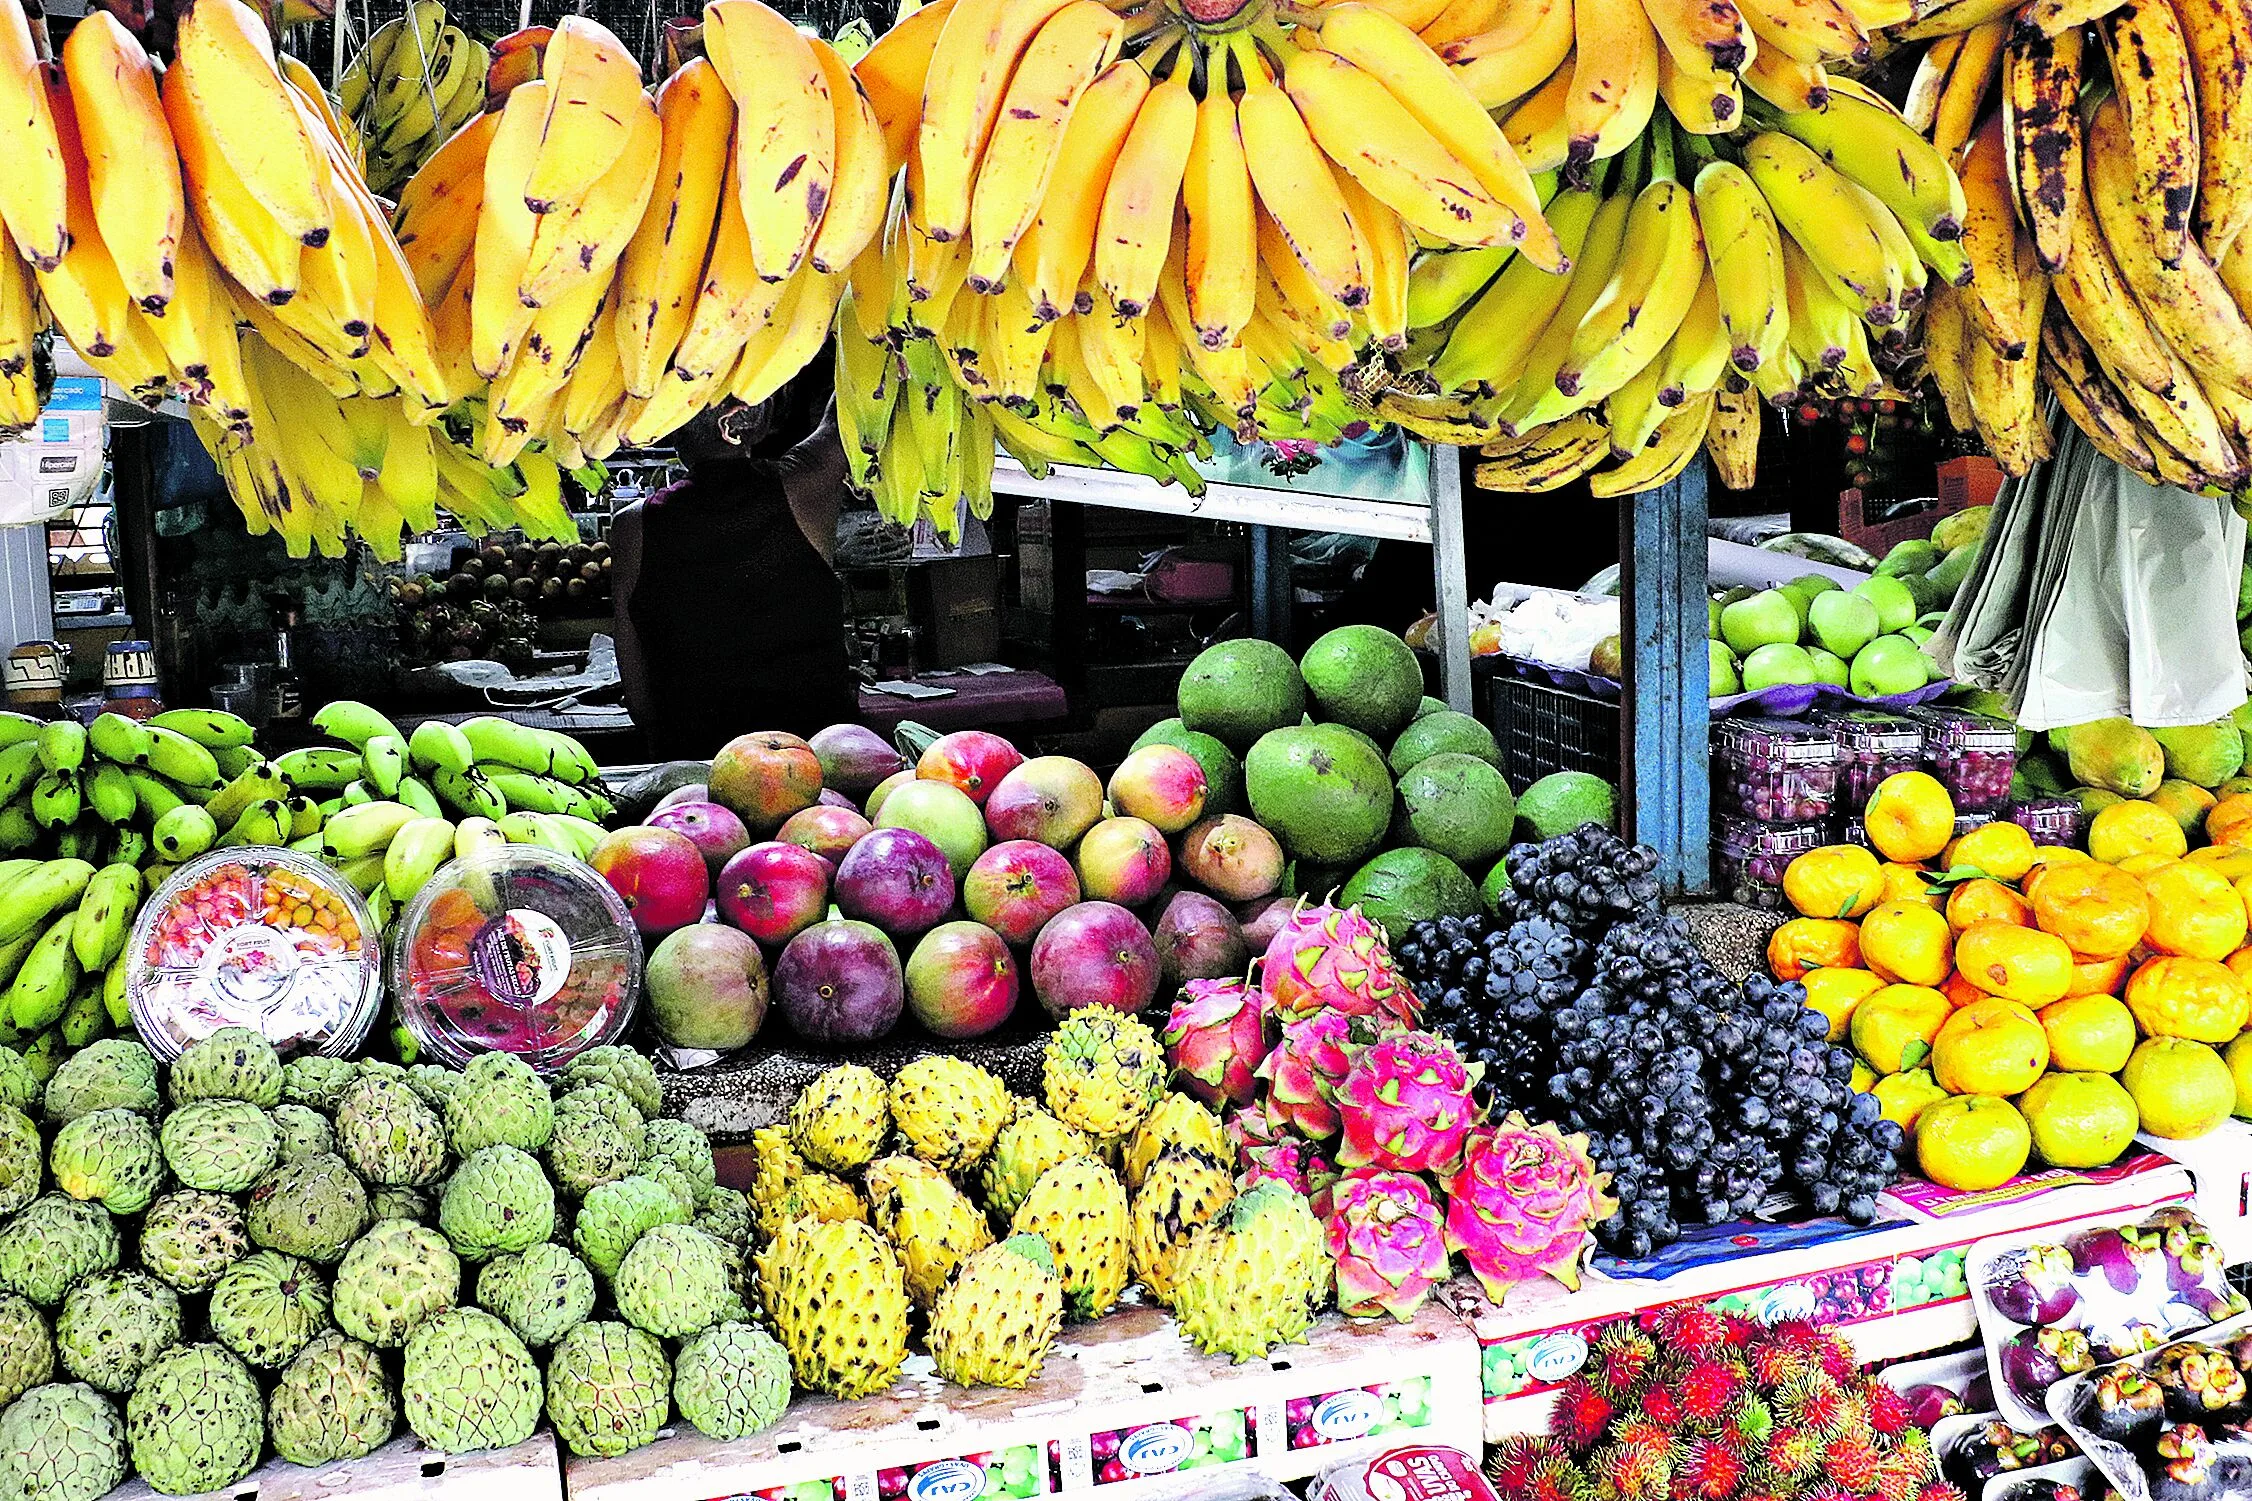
184 833
174 756
15 870
82 842
536 794
43 1055
114 996
17 728
113 737
571 763
209 728
265 822
386 758
475 835
83 1019
438 746
132 847
305 817
382 907
105 916
62 745
354 723
50 971
19 763
152 794
262 781
365 873
156 875
110 793
55 799
416 794
18 831
32 898
495 739
234 760
414 855
309 845
585 833
532 828
364 830
320 768
358 794
12 955
468 793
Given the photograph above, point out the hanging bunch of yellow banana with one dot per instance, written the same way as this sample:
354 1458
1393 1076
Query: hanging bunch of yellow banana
2106 150
418 79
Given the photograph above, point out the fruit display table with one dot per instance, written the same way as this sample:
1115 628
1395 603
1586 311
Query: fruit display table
1896 1291
405 1469
1121 1405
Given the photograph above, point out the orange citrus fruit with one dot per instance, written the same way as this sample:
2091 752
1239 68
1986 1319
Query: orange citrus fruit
2089 1033
2018 964
1837 880
1972 1142
1910 816
2079 1119
1892 1028
2194 912
1995 1047
2099 976
2094 908
1835 992
1902 1097
1907 942
2001 849
2195 999
1985 900
1810 943
2181 1088
2135 827
1911 883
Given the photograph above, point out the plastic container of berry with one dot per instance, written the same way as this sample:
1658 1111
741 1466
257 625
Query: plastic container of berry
516 950
1749 857
1774 770
1871 747
255 937
1973 755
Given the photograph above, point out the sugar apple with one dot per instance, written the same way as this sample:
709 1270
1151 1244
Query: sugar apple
318 1082
1103 1071
116 1073
393 1277
189 1238
233 1063
20 1088
27 1352
615 1215
839 1121
599 1138
23 1160
333 1402
674 1141
622 1069
195 1420
839 1304
498 1200
541 1294
1032 1142
300 1131
112 1325
110 1156
500 1102
731 1381
674 1282
61 1443
469 1383
608 1389
388 1135
1079 1209
398 1204
949 1111
313 1207
51 1243
267 1306
433 1084
220 1146
672 1180
1255 1277
725 1215
994 1323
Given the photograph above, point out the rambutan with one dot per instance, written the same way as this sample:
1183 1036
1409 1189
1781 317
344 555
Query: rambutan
1692 1328
1899 1478
1851 1461
1743 1329
1580 1415
1638 1462
1621 1361
1812 1401
1747 1425
1511 1464
1794 1453
1836 1355
1661 1407
1704 1471
1888 1410
1774 1362
1706 1389
1558 1479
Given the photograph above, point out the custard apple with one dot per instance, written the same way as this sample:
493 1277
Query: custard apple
433 1084
195 1421
541 1294
673 1181
398 1204
333 1402
189 1238
469 1383
599 1138
622 1069
500 1102
61 1443
388 1135
615 1215
949 1111
839 1121
669 1139
233 1063
27 1353
116 1073
51 1243
498 1200
23 1158
267 1306
608 1389
731 1381
112 1325
220 1146
19 1086
725 1215
110 1156
392 1278
313 1207
994 1323
318 1082
674 1282
300 1131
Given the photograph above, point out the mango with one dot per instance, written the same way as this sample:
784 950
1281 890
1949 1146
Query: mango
1912 557
2117 755
2207 754
1966 528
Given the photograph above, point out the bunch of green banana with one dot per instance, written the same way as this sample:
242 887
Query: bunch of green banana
485 767
62 959
416 82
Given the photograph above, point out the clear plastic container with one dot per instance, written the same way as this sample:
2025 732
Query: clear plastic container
1974 755
1774 770
1871 747
1749 858
516 950
2050 820
255 937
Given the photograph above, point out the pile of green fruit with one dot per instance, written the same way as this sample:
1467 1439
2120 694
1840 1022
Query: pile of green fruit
203 1264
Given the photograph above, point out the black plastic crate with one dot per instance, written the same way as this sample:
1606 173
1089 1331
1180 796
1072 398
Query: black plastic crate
1543 729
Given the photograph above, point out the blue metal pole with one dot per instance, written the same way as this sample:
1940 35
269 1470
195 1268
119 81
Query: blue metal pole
1270 584
1667 791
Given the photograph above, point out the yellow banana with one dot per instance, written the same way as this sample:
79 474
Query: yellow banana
1696 358
1523 46
226 63
84 293
1070 50
34 194
581 241
197 331
1732 439
1810 199
2088 396
1361 127
1614 79
977 51
854 215
1223 230
1487 349
22 320
1383 240
1702 36
1995 300
892 74
1746 251
1442 282
1707 102
1807 31
1786 83
1666 455
1534 399
1535 128
258 252
1865 140
793 335
785 129
1560 453
132 169
1659 268
731 301
543 363
2154 82
1134 228
1054 251
436 221
664 261
2218 37
1822 324
593 88
2041 121
505 230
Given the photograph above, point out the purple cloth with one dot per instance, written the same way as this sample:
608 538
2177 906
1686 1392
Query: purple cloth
976 703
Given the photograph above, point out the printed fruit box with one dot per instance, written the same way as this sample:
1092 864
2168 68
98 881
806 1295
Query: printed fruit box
402 1470
1122 1407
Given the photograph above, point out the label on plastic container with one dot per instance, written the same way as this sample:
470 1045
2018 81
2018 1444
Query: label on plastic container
1421 1473
521 956
1156 1449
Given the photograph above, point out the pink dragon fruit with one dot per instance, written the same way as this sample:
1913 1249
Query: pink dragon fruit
1389 1242
1405 1104
1304 1070
1327 957
1522 1203
1267 1152
1215 1038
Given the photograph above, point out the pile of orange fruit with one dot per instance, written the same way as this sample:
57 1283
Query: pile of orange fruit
2011 1002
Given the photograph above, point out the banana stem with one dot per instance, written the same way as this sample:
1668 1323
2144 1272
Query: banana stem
1661 153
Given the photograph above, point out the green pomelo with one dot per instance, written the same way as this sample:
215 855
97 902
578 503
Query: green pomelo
1365 677
1401 888
1239 690
1459 806
1563 800
1439 734
1322 790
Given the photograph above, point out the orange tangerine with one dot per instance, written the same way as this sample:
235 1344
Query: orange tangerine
1892 1029
1986 900
1810 943
2001 849
1836 992
2099 976
2193 912
2089 1033
1907 942
2195 999
1994 1047
1910 816
2018 964
1837 880
1912 883
2135 827
2093 907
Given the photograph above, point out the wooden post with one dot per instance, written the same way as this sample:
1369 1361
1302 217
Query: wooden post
1667 788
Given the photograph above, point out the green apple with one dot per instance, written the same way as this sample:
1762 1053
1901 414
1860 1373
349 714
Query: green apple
1843 623
1768 618
1777 663
1888 665
1895 601
1804 589
1722 670
1916 633
1829 667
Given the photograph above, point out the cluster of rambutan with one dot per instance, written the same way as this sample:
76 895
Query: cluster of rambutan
1685 1403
